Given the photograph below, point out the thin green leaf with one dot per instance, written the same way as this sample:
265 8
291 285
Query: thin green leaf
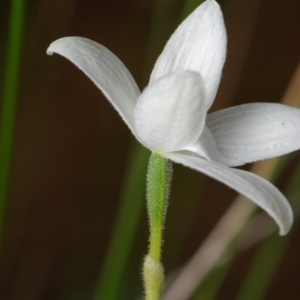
132 204
263 268
10 89
269 255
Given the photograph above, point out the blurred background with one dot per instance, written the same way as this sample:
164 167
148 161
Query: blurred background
75 171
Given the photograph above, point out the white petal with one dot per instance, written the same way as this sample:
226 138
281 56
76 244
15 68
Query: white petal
170 114
198 44
257 189
256 131
206 147
108 73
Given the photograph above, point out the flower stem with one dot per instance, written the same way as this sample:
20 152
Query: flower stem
158 186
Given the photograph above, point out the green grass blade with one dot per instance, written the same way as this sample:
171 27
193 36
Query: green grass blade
128 218
269 255
263 268
10 89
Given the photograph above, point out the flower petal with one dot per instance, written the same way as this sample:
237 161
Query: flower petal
257 189
198 44
206 147
170 114
256 131
108 73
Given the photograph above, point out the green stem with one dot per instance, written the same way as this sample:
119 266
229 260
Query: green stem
9 99
158 187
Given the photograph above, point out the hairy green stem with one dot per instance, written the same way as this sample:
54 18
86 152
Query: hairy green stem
158 187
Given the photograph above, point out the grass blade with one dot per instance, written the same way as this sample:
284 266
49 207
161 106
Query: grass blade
269 255
10 89
125 228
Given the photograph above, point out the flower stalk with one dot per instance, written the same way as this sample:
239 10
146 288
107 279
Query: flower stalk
158 190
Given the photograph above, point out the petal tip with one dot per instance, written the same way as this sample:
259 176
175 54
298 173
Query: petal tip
212 2
49 51
55 46
284 229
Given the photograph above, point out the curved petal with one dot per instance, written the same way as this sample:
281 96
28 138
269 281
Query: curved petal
206 147
256 131
170 114
198 44
257 189
108 73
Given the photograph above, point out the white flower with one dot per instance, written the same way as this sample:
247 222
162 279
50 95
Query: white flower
170 115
